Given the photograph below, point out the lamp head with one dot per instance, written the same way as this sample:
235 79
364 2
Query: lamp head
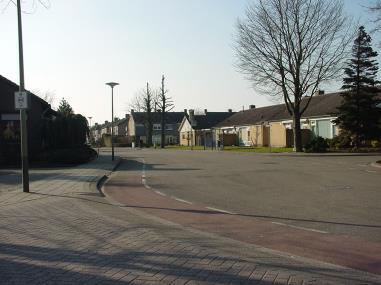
112 84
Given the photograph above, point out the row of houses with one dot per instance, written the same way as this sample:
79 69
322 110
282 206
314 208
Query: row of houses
265 126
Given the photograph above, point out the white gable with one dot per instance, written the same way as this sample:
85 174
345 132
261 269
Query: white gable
186 126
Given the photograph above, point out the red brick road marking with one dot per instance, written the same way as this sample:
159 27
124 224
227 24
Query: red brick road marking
335 249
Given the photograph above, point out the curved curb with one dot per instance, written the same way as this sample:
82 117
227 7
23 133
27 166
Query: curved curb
100 180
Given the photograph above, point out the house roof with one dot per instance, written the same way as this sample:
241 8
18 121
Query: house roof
170 117
13 86
122 121
320 106
16 87
210 119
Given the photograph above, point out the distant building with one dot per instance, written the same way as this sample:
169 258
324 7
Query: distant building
137 129
197 129
272 125
121 126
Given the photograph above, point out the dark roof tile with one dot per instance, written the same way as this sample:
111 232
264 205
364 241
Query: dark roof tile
171 117
210 119
320 106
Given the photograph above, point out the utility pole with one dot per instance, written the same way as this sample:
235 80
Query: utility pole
23 114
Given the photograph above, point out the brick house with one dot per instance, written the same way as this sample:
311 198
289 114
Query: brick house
197 129
272 125
138 132
10 123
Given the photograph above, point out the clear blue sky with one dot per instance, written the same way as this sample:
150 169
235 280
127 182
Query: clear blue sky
76 46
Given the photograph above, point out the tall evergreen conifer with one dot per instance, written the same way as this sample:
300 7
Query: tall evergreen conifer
359 115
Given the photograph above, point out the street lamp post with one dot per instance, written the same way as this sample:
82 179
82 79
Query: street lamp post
23 114
112 85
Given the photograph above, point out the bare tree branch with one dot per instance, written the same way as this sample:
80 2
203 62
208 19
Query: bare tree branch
165 104
289 47
375 9
32 5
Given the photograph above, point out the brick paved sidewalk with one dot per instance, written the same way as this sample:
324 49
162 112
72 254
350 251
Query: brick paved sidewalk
65 232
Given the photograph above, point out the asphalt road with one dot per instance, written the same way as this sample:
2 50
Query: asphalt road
333 194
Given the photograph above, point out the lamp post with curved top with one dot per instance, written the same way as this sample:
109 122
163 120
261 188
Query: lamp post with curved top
112 85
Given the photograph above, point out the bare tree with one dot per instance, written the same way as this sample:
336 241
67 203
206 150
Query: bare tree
136 102
165 105
31 5
287 48
375 9
48 96
144 101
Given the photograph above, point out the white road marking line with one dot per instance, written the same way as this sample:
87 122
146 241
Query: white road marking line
181 200
371 171
160 193
222 211
300 228
144 180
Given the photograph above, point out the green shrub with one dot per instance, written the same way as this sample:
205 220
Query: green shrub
65 132
339 142
317 144
376 144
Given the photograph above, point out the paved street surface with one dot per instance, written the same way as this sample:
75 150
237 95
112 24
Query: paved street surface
65 232
335 194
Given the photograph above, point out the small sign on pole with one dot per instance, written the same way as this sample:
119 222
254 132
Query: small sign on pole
22 101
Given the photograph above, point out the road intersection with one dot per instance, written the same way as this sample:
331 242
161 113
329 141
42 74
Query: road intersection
65 232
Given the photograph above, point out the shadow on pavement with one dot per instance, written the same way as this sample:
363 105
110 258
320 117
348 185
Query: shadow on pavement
132 163
34 264
211 212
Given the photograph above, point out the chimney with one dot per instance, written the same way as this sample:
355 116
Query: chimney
106 122
191 117
126 116
206 111
185 111
252 107
230 110
132 111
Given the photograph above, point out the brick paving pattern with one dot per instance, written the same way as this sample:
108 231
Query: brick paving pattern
65 232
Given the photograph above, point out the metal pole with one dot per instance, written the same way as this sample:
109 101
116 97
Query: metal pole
192 139
112 123
204 140
23 114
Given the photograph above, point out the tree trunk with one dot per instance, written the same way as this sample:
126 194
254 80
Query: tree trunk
298 147
149 134
162 143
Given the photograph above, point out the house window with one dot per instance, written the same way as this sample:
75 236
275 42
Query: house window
157 127
248 135
323 129
168 127
184 136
